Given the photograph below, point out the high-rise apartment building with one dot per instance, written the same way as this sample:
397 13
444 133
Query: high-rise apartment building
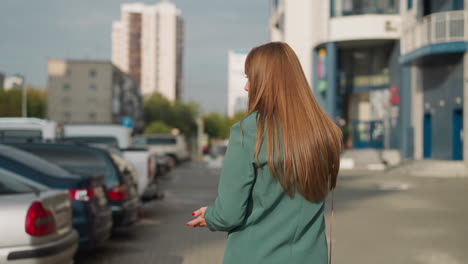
147 43
237 97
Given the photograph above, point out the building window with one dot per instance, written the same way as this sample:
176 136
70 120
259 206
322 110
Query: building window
68 73
92 87
275 4
66 87
409 4
362 7
92 100
364 69
66 116
92 73
66 100
92 116
458 5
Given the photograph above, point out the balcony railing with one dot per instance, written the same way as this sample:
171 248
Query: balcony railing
435 28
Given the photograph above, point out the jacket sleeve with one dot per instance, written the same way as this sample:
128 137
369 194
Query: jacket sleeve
235 185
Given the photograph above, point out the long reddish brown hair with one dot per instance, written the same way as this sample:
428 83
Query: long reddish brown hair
280 93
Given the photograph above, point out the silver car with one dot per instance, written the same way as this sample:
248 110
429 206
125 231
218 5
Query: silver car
35 223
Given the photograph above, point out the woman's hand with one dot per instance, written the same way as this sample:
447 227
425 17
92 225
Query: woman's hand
199 221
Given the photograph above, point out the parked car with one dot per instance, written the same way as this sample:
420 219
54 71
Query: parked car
146 164
92 161
26 129
163 164
36 222
100 133
92 216
165 144
95 140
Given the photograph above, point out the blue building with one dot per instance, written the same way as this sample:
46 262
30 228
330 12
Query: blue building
391 72
434 45
351 49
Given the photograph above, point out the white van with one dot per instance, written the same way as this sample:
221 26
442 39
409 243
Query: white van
110 134
17 129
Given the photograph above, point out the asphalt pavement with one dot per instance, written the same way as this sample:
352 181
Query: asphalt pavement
379 218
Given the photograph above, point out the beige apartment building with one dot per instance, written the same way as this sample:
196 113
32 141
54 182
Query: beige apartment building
88 91
147 43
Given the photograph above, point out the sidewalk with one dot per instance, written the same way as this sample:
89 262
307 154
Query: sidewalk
390 162
394 218
379 218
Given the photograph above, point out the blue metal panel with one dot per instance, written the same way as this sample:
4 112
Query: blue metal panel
427 137
433 49
405 113
331 79
457 142
442 86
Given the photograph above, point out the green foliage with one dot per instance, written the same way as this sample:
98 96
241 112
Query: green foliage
10 102
158 127
217 126
174 114
162 115
214 125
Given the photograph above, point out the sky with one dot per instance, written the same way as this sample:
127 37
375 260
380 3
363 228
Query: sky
31 32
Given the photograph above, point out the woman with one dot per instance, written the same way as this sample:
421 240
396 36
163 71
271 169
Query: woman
281 162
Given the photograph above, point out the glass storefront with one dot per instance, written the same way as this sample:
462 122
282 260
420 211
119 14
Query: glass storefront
364 69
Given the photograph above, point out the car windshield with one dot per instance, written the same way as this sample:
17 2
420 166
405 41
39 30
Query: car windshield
161 141
81 161
35 162
111 141
11 183
17 136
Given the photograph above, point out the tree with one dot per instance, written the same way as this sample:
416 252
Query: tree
214 125
217 126
37 103
158 127
11 100
175 114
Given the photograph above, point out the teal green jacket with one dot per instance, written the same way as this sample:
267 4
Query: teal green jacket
264 224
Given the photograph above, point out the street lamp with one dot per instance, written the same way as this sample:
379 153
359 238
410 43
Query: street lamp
24 100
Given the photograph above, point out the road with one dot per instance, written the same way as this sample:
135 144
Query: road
379 218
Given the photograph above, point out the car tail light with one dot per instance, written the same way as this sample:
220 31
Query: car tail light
150 171
187 147
39 221
82 194
118 193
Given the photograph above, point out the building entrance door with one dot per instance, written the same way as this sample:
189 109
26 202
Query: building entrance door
427 136
457 136
368 134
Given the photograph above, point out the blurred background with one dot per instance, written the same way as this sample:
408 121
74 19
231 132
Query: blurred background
115 115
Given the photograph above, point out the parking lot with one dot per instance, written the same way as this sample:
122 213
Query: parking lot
161 236
380 218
